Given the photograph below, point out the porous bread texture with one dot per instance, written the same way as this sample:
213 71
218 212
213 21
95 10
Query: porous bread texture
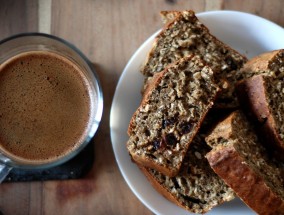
274 96
170 114
196 187
268 64
168 16
185 35
261 98
243 163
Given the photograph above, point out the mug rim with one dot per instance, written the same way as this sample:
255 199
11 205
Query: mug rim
96 118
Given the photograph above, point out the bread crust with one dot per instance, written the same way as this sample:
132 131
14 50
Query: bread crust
159 187
230 59
260 62
253 99
164 191
151 86
168 16
176 15
196 187
143 160
230 166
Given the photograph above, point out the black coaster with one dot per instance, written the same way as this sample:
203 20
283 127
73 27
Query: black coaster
73 169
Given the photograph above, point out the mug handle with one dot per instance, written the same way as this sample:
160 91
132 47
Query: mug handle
4 171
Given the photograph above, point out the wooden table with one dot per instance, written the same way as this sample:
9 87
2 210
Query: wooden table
108 32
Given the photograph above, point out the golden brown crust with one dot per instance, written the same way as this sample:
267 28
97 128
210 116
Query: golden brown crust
224 63
230 166
144 159
222 130
253 98
260 62
150 87
159 187
168 25
144 162
168 16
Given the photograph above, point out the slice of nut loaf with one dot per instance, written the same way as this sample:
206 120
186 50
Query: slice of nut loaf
262 99
196 188
170 114
244 164
185 35
268 64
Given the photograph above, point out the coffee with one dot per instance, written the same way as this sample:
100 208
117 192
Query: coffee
45 107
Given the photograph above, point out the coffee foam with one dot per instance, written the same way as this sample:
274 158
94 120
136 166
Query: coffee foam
45 107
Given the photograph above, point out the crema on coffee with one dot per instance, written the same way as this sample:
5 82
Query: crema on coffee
45 107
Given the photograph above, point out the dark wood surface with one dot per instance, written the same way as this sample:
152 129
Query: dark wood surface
108 32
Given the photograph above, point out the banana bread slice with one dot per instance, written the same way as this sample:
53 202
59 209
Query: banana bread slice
244 164
269 64
196 188
183 35
262 98
170 114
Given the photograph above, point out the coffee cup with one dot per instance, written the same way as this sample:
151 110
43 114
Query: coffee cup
51 102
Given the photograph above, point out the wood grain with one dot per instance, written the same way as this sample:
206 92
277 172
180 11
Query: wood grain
18 17
108 33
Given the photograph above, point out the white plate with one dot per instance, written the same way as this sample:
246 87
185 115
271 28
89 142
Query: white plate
249 34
